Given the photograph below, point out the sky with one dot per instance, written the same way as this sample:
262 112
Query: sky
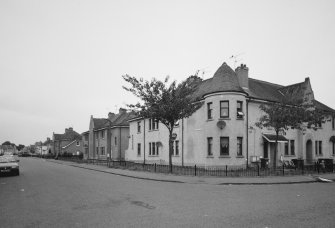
62 61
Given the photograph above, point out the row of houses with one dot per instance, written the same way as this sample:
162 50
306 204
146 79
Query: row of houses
221 132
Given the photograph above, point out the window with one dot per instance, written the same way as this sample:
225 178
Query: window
286 148
102 150
96 135
153 124
177 148
132 142
139 149
157 149
209 110
138 126
86 150
86 137
318 148
333 148
239 109
115 138
239 146
333 123
102 134
224 146
292 147
78 143
97 150
224 109
149 148
210 146
153 148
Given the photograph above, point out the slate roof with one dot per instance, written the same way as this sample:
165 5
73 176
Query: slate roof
69 135
120 119
225 80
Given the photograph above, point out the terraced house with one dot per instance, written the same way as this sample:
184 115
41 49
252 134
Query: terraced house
109 136
223 131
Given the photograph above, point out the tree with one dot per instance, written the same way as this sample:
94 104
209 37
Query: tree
163 102
20 147
7 143
284 115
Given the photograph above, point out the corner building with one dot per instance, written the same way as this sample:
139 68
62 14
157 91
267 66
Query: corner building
223 131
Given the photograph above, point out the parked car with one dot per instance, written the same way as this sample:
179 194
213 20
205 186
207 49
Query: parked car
15 157
9 165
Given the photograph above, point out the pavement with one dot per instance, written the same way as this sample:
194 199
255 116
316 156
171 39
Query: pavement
270 180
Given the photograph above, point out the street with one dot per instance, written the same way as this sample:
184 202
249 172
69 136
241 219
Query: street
47 194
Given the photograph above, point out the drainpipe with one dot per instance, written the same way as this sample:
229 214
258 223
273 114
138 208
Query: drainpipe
182 142
120 140
247 117
144 141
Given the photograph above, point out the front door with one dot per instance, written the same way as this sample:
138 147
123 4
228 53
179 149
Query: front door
309 152
266 151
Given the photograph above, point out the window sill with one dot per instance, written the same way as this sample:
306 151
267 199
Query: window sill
210 119
210 156
224 118
224 156
152 130
237 118
289 155
153 155
138 132
239 156
175 156
138 155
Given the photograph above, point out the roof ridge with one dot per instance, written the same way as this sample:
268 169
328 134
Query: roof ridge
295 84
270 83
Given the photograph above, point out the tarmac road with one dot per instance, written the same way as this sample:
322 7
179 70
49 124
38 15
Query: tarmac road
48 194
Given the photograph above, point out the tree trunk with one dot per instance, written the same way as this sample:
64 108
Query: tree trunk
170 149
275 151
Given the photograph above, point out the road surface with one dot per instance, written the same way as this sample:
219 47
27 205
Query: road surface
48 194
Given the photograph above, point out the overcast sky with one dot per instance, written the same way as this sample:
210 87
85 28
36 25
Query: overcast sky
63 61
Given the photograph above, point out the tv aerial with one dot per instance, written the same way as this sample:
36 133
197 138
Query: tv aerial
236 58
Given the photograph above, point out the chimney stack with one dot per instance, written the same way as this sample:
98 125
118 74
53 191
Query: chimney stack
110 115
122 110
242 73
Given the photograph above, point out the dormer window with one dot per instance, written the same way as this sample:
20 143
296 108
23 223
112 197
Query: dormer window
239 109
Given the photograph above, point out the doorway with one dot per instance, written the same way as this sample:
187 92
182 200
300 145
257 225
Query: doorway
309 152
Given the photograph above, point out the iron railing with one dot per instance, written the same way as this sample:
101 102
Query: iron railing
254 170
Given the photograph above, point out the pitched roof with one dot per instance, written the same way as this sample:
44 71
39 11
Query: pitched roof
69 135
224 80
120 119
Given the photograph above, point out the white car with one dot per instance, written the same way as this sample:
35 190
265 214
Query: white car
9 165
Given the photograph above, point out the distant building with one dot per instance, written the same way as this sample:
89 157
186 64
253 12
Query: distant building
223 131
108 136
68 143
